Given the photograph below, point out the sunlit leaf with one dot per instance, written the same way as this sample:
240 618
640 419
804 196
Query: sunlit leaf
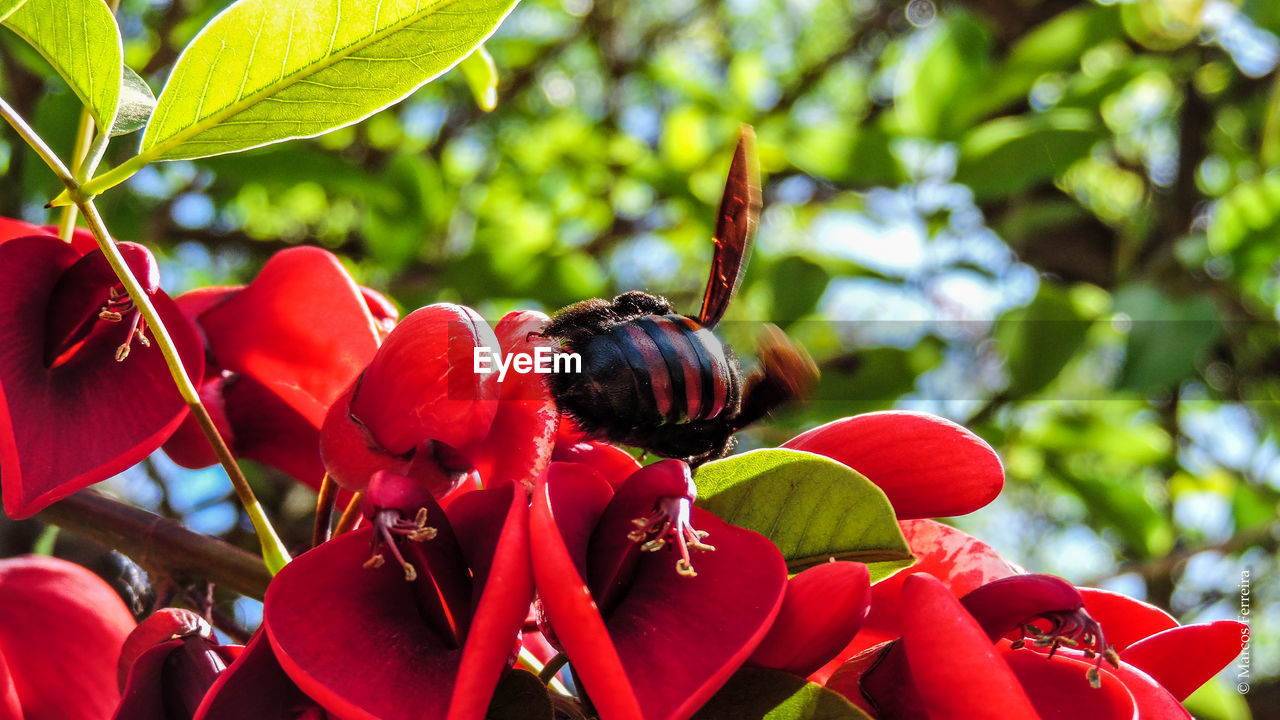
136 103
81 41
945 68
262 72
482 78
811 507
8 6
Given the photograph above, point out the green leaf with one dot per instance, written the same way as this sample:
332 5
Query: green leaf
1248 215
482 77
1007 155
81 41
266 71
798 283
948 72
1167 339
759 694
813 508
8 6
1038 340
136 103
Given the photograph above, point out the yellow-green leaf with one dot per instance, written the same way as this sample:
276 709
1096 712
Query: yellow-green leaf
482 77
264 71
81 41
8 6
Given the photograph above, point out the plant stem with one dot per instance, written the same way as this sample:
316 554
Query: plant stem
548 672
84 134
324 510
159 544
273 551
349 516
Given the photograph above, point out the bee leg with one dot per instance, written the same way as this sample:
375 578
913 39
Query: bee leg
786 372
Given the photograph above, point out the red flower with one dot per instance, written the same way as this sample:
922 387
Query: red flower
60 635
84 394
928 466
280 351
423 628
1025 647
651 635
421 410
255 686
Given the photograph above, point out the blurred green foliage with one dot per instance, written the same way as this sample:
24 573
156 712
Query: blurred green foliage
1057 222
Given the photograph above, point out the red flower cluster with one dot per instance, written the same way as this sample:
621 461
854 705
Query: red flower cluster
494 536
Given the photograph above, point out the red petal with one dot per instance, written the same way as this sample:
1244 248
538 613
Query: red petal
301 328
1124 619
422 386
1059 688
255 686
1009 603
518 445
67 427
81 239
927 465
566 505
822 611
613 463
493 532
62 631
954 667
962 562
376 656
143 695
1184 658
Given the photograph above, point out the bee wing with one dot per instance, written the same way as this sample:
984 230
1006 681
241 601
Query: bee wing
735 226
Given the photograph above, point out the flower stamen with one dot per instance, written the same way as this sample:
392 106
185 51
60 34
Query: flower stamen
1074 630
670 522
390 525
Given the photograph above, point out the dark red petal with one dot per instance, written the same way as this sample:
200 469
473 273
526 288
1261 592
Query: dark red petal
614 555
1009 603
519 443
256 687
961 561
954 667
82 291
566 504
90 417
81 239
61 634
1184 658
356 640
927 465
492 527
1124 619
422 386
142 698
613 463
267 429
301 328
1059 688
821 612
161 626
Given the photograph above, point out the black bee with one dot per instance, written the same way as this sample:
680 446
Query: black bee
658 380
